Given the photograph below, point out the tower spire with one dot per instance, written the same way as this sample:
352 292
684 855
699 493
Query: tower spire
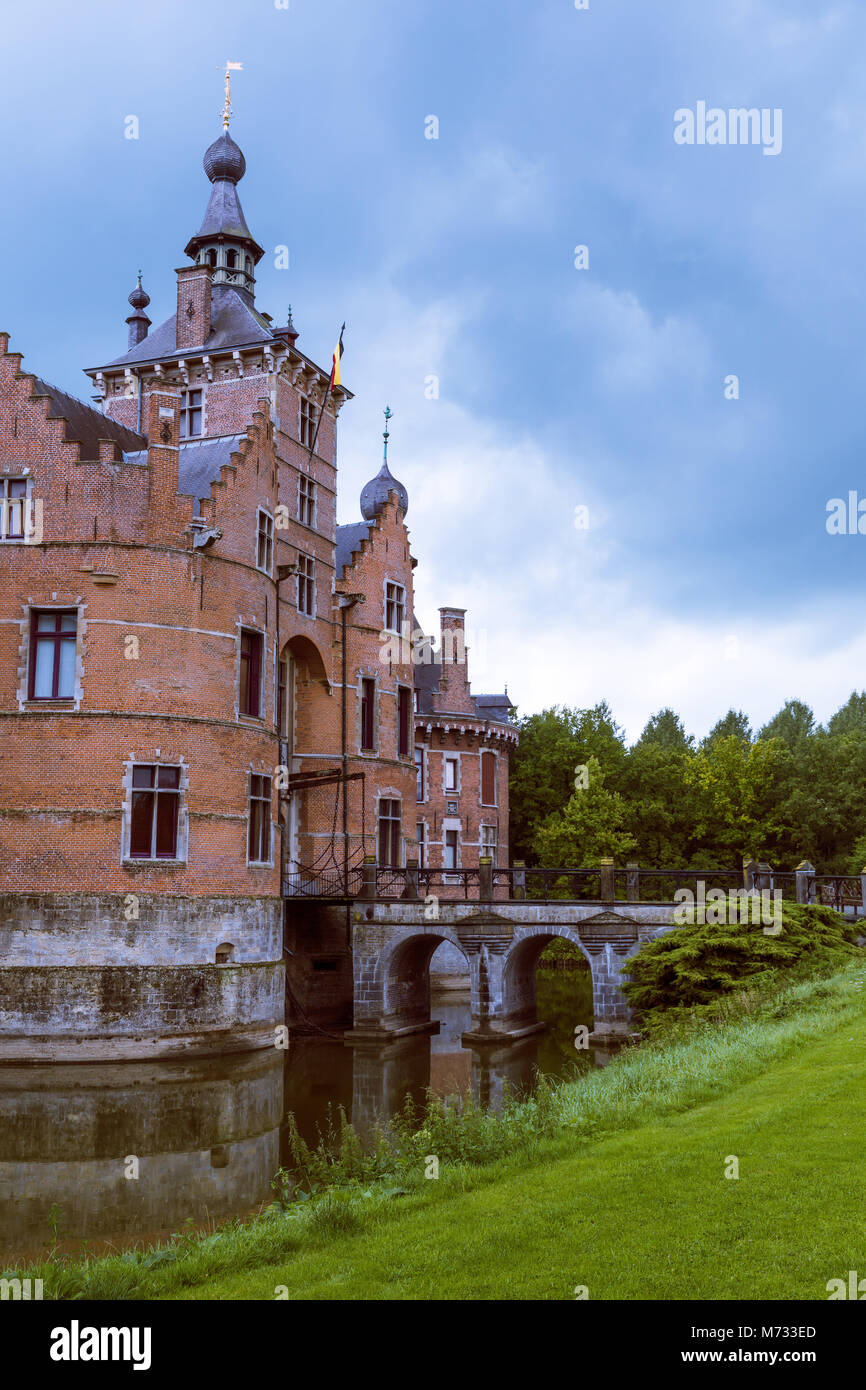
386 436
227 108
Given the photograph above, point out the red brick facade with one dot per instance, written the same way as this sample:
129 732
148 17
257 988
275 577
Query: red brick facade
187 539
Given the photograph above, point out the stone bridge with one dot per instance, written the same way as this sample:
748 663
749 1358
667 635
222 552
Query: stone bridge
394 941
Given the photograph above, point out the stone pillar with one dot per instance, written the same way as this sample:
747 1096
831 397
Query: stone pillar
485 877
765 877
411 888
610 1010
632 881
805 890
750 874
607 881
518 879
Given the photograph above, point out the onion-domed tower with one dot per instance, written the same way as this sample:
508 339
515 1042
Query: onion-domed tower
224 240
374 494
138 321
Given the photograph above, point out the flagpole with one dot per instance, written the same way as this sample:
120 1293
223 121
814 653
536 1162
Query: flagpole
327 394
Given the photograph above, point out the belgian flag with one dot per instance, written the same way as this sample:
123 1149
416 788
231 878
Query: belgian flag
335 362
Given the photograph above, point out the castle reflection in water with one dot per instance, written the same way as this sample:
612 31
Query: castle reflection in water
209 1135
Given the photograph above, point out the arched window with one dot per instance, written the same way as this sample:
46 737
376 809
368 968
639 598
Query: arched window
211 257
231 259
224 953
249 266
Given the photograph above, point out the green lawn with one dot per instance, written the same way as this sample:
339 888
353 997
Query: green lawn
646 1213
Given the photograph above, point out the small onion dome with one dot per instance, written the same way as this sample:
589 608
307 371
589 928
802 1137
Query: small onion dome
224 160
139 299
375 493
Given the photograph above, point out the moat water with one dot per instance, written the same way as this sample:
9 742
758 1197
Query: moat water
207 1137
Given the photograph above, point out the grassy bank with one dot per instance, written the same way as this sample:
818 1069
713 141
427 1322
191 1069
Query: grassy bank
615 1182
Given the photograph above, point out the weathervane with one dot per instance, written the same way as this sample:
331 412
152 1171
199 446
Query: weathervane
388 416
227 109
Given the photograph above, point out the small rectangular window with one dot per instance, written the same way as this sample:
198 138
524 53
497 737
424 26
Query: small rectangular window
419 773
450 774
488 779
395 605
154 812
190 414
251 673
451 851
368 710
488 841
52 654
307 585
389 834
259 840
421 836
404 696
265 546
13 499
306 500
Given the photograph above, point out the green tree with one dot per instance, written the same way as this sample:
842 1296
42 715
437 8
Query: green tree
851 718
794 723
666 729
735 723
591 824
552 746
741 789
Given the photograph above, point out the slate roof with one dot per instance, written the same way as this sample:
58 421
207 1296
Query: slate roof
84 425
198 462
234 323
349 541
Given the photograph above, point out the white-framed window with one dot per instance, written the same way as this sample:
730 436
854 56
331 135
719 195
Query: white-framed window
421 836
452 773
417 701
419 772
307 422
489 841
451 850
306 500
395 607
154 826
265 542
389 828
14 493
191 413
307 585
487 787
259 829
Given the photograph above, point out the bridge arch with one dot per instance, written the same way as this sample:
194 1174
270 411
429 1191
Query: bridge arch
405 977
519 980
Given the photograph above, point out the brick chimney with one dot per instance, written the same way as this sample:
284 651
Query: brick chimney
454 680
193 305
163 438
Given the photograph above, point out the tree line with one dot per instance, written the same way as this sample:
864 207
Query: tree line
795 789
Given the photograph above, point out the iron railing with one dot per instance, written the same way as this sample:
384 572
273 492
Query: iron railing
845 893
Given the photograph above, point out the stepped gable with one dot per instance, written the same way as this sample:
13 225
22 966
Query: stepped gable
84 425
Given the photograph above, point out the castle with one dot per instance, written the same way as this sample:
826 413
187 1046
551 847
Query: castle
211 700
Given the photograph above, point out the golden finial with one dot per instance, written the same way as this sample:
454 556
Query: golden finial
227 109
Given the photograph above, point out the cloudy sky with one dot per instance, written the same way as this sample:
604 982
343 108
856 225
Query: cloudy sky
706 576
